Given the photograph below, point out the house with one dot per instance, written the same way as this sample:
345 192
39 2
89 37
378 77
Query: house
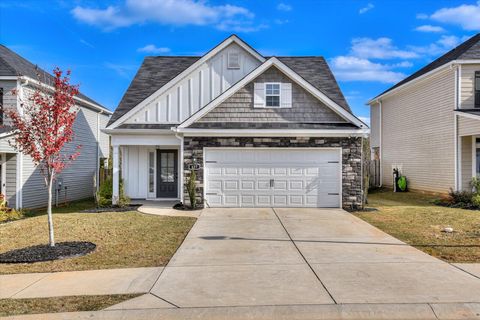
428 125
21 182
260 131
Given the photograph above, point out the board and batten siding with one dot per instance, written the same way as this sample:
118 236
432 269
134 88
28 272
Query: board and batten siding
418 133
305 108
197 89
375 126
467 85
78 177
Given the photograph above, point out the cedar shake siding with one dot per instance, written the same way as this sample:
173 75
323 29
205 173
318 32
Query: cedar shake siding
418 133
239 108
351 158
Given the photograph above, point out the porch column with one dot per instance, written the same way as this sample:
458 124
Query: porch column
116 175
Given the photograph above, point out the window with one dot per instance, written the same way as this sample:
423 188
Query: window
167 167
233 60
151 171
272 94
477 89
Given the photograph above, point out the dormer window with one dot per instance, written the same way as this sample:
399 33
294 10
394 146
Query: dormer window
233 60
477 89
272 95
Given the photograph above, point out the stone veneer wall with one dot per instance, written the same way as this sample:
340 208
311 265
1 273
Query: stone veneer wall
351 158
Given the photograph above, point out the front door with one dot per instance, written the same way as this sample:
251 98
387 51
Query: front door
167 174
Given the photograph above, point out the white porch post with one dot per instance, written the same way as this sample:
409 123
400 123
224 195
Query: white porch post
116 175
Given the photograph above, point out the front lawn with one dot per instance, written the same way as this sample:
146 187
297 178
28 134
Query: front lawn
123 239
412 218
10 307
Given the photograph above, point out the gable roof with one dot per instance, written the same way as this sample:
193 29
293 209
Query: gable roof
273 61
154 73
468 50
12 64
157 71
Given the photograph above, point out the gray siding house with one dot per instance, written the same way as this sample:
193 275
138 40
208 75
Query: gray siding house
428 125
259 131
20 181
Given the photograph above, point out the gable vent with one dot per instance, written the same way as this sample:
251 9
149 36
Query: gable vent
233 60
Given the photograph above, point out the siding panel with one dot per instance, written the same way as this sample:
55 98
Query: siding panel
418 134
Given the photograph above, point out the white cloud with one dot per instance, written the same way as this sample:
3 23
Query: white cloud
284 7
429 28
466 15
440 46
366 120
367 8
348 68
151 48
169 12
381 48
88 44
121 70
422 16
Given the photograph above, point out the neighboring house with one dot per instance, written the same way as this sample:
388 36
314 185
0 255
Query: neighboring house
261 131
21 182
428 125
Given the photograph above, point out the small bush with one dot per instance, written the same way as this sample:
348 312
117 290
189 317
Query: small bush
8 214
476 200
192 189
105 194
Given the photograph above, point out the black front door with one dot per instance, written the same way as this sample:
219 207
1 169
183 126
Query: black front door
167 174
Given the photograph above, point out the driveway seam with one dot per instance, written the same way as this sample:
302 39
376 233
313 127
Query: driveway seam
459 268
173 304
303 257
433 310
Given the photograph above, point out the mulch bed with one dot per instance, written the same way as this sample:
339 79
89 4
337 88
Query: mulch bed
131 207
182 207
45 252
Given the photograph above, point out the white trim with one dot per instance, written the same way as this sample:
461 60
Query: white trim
136 131
180 169
272 95
273 132
9 77
340 149
474 156
468 115
28 80
455 132
3 173
289 72
19 181
153 194
423 76
380 142
185 73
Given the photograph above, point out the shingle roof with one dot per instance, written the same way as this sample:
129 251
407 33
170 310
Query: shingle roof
11 64
316 71
155 72
469 49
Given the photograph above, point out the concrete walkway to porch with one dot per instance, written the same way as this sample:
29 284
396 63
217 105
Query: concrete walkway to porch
164 208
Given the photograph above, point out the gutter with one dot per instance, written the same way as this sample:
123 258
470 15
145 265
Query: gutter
272 132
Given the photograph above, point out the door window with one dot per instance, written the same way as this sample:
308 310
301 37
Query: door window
167 167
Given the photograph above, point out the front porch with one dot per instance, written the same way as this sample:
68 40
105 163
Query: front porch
468 148
150 166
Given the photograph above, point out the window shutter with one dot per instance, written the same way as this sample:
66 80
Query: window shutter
286 95
258 95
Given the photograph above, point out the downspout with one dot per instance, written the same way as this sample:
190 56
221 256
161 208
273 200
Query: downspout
380 142
455 129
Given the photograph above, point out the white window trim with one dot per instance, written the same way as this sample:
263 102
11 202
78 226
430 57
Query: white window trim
152 195
273 95
238 67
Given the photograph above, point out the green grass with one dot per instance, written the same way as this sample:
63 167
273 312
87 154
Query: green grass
70 207
10 307
414 219
123 239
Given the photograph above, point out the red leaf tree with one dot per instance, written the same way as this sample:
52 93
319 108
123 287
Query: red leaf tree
44 124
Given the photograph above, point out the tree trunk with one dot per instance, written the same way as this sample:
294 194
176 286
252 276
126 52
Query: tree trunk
51 238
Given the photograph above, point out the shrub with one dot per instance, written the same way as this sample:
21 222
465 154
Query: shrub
105 194
192 189
476 200
9 214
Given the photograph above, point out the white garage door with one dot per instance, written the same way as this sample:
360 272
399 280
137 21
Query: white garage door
243 177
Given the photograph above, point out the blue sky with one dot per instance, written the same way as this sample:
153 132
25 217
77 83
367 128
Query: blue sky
370 45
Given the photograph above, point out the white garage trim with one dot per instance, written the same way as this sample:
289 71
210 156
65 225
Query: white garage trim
337 149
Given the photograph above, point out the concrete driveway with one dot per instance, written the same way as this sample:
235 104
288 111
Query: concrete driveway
272 257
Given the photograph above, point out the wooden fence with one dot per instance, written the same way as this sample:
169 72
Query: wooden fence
374 173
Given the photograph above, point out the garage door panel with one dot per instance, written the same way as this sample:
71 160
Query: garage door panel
301 178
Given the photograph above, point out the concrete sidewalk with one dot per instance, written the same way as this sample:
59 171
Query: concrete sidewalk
304 312
77 283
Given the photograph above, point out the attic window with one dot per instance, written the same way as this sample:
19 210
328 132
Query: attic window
233 60
272 94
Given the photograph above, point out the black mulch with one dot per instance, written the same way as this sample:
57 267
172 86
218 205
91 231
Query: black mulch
45 252
131 207
182 207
